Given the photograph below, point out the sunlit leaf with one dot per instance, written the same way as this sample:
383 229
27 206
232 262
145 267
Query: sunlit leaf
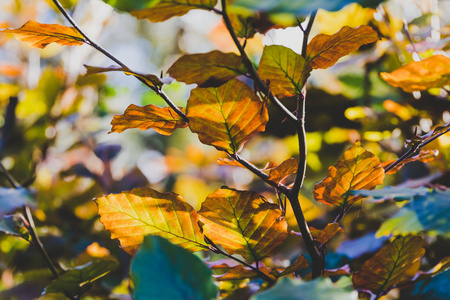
323 235
284 70
404 222
240 272
76 281
392 192
161 270
300 263
149 78
40 35
163 120
433 72
12 199
424 156
127 5
227 116
278 173
130 216
395 263
430 136
208 69
357 169
166 9
228 162
243 223
325 50
442 266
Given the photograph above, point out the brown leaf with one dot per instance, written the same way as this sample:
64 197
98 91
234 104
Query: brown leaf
278 173
357 169
342 271
243 223
325 50
433 72
40 35
394 264
207 70
226 117
163 120
130 216
300 263
240 272
423 156
323 235
149 78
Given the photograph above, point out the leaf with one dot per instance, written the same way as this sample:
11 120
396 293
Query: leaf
127 5
208 69
130 216
40 35
166 9
424 156
323 235
355 248
403 222
300 263
430 136
228 162
325 50
243 223
240 272
161 270
226 117
285 71
392 192
76 281
278 173
14 225
153 80
163 120
433 72
437 288
295 289
12 199
442 266
396 263
357 169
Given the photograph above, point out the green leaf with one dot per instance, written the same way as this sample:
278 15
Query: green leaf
403 222
127 5
296 289
12 199
161 270
76 281
284 70
13 225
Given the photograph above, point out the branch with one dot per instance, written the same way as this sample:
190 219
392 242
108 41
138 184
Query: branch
91 43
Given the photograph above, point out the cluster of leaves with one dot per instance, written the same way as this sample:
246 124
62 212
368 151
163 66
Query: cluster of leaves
234 101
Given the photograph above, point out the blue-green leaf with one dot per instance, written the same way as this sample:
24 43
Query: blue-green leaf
12 199
437 288
392 192
13 225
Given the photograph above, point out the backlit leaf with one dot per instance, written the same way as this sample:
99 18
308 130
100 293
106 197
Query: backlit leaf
323 235
423 156
325 50
300 263
40 35
395 263
163 120
442 266
228 162
166 9
208 69
279 172
130 216
149 78
433 72
357 169
243 223
127 5
226 117
284 70
240 272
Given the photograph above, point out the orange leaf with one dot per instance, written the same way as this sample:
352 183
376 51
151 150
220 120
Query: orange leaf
163 120
433 72
208 69
357 169
423 156
240 272
300 263
226 117
40 35
166 9
277 173
323 235
228 162
149 78
284 70
243 223
325 50
395 263
130 216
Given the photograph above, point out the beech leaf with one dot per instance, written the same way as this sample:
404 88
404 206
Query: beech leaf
423 156
357 169
40 35
442 266
323 235
300 263
226 117
208 69
278 173
12 199
130 216
395 263
149 78
240 272
433 72
243 223
284 70
228 162
163 120
325 50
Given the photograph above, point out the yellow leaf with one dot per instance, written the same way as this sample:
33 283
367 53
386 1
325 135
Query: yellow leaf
433 72
40 35
278 173
323 235
243 223
325 50
149 78
130 216
163 120
357 169
226 117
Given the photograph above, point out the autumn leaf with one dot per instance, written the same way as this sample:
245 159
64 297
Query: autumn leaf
423 156
300 263
395 263
433 72
226 117
442 266
163 120
323 235
208 69
357 169
278 173
228 162
153 80
243 223
284 70
40 35
239 272
131 215
325 50
166 9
